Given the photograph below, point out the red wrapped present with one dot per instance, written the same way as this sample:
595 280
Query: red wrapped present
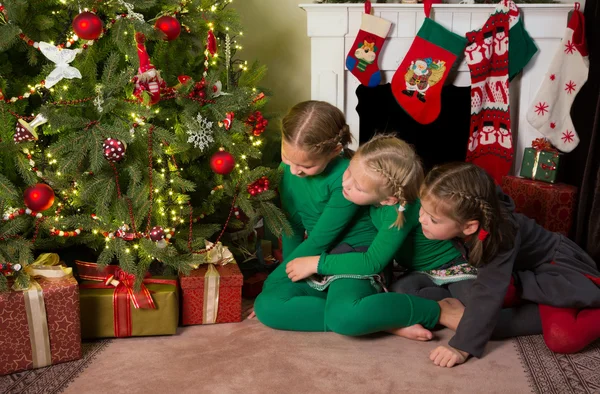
551 205
253 285
40 324
110 306
212 293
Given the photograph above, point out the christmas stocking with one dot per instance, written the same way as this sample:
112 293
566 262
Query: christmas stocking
362 58
418 82
550 111
487 55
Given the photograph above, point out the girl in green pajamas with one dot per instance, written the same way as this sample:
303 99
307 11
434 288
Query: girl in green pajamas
314 134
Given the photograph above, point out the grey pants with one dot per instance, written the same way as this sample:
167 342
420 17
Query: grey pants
520 320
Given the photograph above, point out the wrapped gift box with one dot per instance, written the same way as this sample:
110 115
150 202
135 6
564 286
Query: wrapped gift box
111 310
551 205
40 326
212 294
253 284
540 162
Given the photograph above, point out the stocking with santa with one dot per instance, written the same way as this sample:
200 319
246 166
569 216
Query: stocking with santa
418 82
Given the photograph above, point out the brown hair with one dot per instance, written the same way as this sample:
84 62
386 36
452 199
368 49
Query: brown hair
464 192
316 127
396 165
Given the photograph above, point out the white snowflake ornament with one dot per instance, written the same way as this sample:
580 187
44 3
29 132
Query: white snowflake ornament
200 132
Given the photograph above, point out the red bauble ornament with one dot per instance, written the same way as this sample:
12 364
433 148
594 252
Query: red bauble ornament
114 150
168 25
222 162
157 233
38 198
87 25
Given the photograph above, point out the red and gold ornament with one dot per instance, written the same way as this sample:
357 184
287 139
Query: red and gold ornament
257 122
222 162
258 186
87 25
114 150
39 197
169 26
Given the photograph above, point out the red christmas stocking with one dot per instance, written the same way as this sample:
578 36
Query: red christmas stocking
362 58
491 66
418 82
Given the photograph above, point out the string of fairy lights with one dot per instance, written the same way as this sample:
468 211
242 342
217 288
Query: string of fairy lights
171 204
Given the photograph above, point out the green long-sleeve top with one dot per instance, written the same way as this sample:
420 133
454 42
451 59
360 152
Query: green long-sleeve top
316 204
407 245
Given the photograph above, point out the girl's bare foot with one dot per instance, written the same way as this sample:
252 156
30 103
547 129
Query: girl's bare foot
416 332
452 311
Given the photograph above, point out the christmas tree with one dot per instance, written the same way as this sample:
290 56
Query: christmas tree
130 127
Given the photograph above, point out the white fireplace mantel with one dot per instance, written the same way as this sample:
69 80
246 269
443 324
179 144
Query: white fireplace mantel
333 28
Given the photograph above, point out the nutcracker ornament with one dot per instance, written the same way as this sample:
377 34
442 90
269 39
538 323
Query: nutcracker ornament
148 78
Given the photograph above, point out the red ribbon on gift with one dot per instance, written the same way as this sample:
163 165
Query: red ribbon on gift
547 167
113 277
542 144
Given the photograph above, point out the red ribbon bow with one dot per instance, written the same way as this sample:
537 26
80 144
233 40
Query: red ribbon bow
542 144
482 235
113 277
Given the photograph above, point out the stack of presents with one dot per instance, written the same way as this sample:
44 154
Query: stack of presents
43 322
537 194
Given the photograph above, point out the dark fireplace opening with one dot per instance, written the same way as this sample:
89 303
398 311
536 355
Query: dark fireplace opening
441 141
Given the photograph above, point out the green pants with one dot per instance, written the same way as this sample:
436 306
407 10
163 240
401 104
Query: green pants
348 307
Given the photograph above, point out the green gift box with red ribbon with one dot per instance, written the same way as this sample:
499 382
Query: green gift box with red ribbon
540 162
112 308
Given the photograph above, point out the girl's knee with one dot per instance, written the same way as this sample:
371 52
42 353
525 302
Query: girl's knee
563 339
343 320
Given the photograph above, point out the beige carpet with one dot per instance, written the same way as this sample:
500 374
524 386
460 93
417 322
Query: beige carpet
251 358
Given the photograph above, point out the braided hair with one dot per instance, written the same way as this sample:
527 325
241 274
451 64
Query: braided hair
316 127
398 167
465 192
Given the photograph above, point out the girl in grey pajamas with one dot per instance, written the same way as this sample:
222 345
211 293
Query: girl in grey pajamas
460 201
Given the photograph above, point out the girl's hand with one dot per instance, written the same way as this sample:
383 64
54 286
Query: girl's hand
302 267
447 356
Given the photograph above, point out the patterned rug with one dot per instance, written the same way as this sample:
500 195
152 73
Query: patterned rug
559 373
52 379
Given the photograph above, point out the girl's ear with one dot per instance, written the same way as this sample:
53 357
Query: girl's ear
337 150
389 201
470 227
